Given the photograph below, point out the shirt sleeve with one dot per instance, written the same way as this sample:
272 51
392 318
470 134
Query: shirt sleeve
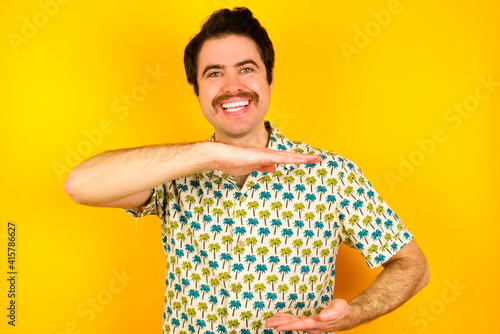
155 206
368 223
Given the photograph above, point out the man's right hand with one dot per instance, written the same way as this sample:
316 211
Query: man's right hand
236 160
123 178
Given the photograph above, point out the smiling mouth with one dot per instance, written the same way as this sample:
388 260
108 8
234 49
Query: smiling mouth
231 103
235 106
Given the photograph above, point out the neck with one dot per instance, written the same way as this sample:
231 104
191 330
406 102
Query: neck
257 138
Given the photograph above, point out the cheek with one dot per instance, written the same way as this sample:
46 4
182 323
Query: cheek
207 94
265 94
204 98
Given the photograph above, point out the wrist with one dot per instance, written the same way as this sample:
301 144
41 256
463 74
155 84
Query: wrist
362 310
207 155
354 315
342 315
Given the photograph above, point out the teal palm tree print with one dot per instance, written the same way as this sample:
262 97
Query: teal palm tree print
237 255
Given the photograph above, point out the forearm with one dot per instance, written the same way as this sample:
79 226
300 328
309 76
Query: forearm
114 175
397 283
123 177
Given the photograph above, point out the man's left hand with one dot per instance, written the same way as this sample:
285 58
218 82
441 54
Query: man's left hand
336 316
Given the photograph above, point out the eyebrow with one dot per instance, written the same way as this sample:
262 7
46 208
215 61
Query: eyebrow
218 67
248 61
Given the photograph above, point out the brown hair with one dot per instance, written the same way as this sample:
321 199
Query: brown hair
223 22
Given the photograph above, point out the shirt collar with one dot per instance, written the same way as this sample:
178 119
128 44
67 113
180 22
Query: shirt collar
277 141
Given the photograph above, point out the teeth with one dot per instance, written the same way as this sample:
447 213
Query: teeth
233 109
235 105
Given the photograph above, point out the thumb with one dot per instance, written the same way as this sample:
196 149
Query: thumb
335 310
267 168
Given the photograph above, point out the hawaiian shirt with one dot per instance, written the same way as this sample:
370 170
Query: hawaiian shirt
237 255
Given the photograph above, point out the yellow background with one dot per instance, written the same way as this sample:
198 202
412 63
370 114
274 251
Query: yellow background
371 106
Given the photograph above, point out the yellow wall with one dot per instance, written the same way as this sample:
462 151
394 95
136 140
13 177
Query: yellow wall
385 100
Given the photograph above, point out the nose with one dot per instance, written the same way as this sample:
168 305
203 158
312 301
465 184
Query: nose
232 83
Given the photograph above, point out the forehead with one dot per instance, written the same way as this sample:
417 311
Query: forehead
228 51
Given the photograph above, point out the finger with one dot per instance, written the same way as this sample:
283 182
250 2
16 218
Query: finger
313 158
303 158
283 320
306 324
268 157
280 321
289 157
283 314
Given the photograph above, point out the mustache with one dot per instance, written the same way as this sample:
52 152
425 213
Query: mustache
250 94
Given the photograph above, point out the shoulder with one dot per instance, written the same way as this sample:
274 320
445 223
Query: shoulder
331 159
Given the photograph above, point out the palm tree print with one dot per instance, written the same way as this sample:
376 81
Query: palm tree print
236 255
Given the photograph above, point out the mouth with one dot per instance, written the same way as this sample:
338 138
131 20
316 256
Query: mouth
236 106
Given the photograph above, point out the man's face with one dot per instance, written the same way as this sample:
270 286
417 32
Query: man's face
234 94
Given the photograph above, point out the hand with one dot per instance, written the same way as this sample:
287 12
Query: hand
236 160
336 316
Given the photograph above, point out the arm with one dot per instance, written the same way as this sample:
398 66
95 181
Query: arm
403 276
123 178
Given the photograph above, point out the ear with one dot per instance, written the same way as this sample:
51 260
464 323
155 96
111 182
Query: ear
272 81
195 95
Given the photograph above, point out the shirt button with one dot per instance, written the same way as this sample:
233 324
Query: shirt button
242 198
240 244
237 288
233 332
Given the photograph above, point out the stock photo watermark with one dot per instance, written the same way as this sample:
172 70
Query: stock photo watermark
12 271
121 107
372 29
88 309
454 118
281 118
31 26
426 314
227 3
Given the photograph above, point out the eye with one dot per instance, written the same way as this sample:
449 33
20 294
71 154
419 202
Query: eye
214 74
247 70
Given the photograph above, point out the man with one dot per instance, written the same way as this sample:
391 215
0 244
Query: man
252 221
